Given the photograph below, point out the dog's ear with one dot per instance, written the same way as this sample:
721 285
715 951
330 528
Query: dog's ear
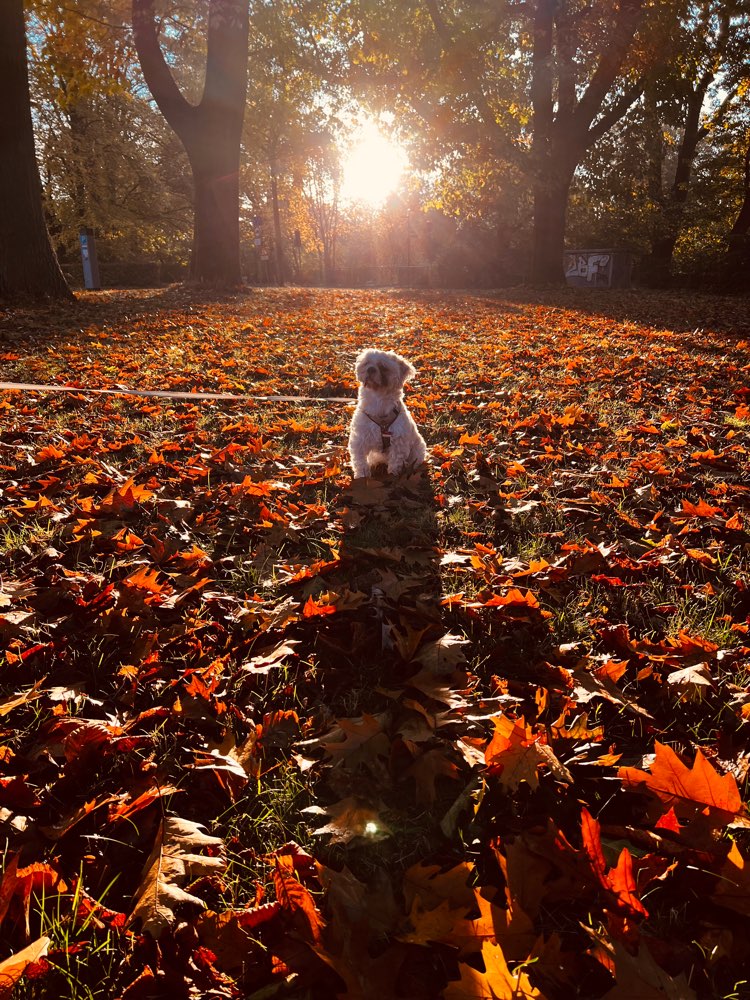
405 369
361 361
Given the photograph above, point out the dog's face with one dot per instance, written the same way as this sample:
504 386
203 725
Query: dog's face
382 371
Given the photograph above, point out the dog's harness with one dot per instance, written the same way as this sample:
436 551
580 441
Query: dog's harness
385 425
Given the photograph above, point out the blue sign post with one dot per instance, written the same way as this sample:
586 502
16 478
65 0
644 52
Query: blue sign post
89 258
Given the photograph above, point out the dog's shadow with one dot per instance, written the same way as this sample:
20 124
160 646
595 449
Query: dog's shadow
387 584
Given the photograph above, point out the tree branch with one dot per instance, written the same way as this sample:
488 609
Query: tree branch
505 147
542 104
720 113
226 63
566 84
615 112
156 72
610 63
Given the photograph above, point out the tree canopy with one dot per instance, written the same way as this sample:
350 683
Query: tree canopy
531 127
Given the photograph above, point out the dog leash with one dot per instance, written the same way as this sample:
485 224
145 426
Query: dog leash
175 394
385 428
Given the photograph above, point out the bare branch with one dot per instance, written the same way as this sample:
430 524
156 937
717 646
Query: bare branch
96 20
615 112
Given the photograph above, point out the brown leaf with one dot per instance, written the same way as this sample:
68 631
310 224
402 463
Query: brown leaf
173 860
443 654
364 740
514 753
638 976
12 968
426 769
295 898
692 681
733 887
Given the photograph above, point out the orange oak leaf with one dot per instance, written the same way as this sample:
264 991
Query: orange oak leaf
497 982
515 752
622 883
311 609
681 786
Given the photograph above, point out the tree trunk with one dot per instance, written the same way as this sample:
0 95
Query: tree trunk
550 211
738 253
327 267
659 261
741 226
210 132
738 237
657 266
278 246
561 136
215 259
28 266
550 202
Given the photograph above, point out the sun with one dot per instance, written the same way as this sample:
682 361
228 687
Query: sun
372 167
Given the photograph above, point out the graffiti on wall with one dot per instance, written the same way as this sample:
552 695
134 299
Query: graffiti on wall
593 268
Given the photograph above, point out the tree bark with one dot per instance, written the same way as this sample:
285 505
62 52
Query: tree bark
210 131
550 213
550 200
562 134
659 261
28 266
215 258
278 246
738 252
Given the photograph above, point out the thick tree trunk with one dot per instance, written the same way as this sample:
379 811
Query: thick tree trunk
210 132
216 229
741 227
658 265
738 237
561 135
550 201
738 253
550 211
28 266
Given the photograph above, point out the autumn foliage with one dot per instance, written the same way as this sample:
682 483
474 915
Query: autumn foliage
474 733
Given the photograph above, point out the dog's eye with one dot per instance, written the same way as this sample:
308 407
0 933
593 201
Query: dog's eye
372 370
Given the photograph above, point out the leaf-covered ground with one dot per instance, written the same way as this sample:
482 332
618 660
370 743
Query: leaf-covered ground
475 732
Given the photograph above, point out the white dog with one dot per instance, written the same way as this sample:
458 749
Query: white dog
383 431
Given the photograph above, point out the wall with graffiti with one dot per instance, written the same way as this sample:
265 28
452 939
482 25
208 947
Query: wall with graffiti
598 268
